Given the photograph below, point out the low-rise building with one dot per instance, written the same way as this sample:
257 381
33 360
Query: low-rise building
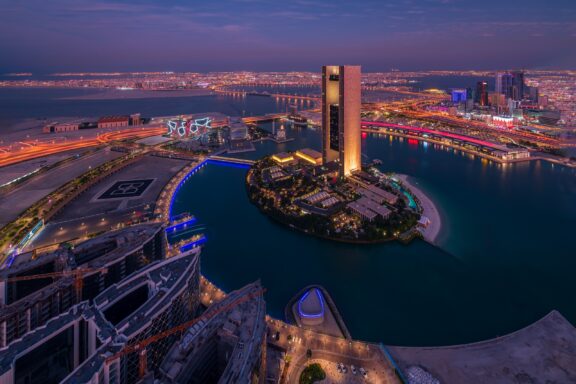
512 154
113 121
283 158
309 155
361 210
329 202
61 127
374 206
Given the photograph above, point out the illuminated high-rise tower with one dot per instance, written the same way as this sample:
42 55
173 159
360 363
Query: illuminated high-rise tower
341 101
481 93
510 84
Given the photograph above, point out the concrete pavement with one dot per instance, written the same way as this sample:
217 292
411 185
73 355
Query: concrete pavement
23 196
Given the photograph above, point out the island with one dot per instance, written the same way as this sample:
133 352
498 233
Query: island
298 190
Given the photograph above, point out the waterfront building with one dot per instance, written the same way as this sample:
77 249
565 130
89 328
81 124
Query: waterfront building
310 308
238 130
135 119
309 155
61 127
113 121
194 125
341 117
281 133
239 136
283 157
511 154
362 211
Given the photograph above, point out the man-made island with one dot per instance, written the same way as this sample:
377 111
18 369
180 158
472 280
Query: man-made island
298 190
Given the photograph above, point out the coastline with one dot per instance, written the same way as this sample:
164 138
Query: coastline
306 232
117 94
430 210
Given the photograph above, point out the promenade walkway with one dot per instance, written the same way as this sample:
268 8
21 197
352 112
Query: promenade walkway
430 210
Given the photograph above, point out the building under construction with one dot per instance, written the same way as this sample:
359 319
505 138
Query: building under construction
90 342
114 309
224 348
37 288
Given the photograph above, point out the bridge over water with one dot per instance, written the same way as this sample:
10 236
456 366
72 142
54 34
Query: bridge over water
231 160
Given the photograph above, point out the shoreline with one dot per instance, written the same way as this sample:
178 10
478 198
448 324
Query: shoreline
118 94
429 210
279 220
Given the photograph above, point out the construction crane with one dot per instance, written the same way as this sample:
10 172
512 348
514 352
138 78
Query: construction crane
78 275
211 312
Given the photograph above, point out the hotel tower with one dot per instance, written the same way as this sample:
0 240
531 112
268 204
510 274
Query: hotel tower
341 116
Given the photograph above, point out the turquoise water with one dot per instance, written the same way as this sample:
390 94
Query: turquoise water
505 259
411 203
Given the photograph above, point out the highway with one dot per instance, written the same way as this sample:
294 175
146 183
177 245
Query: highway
35 150
29 192
416 109
449 135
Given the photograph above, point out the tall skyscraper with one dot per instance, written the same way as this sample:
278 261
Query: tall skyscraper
481 93
518 87
533 94
510 84
341 101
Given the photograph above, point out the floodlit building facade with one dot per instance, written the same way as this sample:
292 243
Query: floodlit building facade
341 102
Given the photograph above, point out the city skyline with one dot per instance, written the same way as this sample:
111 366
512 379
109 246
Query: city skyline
255 191
301 35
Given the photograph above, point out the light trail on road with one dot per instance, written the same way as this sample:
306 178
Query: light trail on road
45 149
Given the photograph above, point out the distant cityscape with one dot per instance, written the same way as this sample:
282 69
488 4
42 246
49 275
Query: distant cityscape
104 284
302 192
552 90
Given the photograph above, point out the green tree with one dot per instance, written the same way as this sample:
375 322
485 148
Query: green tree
312 374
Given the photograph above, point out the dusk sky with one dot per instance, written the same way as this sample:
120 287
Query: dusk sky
98 35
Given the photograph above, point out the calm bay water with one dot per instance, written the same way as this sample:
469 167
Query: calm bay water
505 258
505 255
23 103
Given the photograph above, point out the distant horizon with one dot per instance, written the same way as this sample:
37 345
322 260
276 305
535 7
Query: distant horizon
24 73
256 35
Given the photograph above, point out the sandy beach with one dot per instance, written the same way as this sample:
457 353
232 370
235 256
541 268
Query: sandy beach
429 209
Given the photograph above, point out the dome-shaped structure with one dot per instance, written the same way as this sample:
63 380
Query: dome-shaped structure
311 307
